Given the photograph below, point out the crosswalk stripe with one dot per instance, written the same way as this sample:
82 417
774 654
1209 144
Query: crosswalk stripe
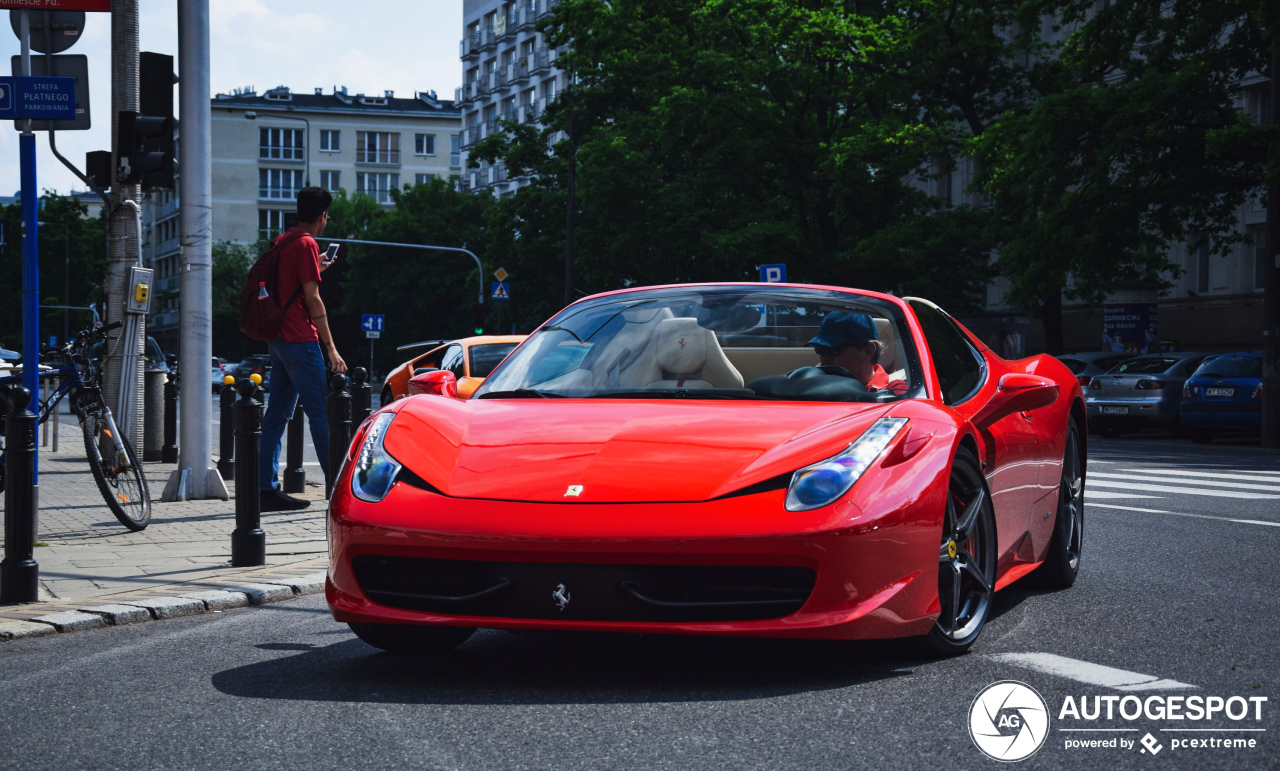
1201 482
1090 673
1211 475
1185 514
1090 494
1183 490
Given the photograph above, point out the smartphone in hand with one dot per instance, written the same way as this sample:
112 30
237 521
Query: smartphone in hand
329 254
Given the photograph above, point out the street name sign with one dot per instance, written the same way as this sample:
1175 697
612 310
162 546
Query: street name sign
56 5
501 291
43 98
774 274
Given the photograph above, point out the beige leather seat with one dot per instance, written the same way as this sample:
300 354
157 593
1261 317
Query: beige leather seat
892 360
686 355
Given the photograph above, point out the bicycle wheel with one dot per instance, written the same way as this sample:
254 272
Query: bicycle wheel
121 483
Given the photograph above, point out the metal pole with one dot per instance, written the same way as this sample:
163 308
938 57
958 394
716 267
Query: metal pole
295 477
248 542
195 444
1271 297
226 428
44 397
169 452
19 573
53 416
339 417
361 401
30 252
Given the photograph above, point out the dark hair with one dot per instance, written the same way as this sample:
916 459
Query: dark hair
312 202
875 356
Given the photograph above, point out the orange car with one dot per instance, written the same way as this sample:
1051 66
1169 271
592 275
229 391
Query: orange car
470 359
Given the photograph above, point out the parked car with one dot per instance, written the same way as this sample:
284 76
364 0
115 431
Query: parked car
260 364
1086 364
471 359
1224 393
1142 391
218 372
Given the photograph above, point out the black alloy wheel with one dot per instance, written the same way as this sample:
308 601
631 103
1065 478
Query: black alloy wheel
966 559
1062 563
410 638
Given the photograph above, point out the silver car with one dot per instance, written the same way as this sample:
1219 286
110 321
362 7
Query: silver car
1143 391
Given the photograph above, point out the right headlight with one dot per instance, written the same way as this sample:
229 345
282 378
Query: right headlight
375 470
824 482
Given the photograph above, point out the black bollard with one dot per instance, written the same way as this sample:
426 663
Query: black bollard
169 450
227 428
295 478
248 542
360 395
339 415
19 573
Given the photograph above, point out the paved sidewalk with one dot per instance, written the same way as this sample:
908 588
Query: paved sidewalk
88 558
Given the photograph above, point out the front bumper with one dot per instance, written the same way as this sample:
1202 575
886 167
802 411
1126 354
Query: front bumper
873 564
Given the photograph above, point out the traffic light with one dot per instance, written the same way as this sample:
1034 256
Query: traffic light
144 141
477 315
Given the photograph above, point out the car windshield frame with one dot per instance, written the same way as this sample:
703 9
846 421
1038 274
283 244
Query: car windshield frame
1120 369
744 320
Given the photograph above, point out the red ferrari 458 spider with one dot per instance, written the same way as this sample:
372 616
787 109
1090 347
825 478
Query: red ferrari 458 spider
730 459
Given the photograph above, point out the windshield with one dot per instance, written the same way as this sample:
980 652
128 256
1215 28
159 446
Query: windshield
485 357
1231 366
728 342
1143 366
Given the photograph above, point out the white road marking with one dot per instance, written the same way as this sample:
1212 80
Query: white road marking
1212 475
1186 514
1201 482
1090 493
1092 674
1182 490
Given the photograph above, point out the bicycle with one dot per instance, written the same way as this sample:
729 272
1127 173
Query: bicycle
112 461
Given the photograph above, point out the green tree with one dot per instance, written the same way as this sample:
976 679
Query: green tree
231 263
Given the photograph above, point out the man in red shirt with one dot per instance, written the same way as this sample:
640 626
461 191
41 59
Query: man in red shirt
297 361
849 341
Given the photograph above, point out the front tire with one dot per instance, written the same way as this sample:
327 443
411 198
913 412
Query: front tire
409 638
1062 563
121 482
966 560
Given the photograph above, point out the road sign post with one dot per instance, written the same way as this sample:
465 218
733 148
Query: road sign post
372 324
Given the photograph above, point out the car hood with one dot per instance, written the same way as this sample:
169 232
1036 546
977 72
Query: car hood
616 450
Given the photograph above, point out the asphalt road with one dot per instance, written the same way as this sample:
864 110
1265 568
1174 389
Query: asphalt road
1177 594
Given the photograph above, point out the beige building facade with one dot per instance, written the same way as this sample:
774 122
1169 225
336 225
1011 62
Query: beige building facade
268 146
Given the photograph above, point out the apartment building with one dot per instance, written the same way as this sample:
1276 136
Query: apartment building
508 73
268 146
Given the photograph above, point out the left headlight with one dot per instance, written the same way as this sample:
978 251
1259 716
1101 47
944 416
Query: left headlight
375 470
822 483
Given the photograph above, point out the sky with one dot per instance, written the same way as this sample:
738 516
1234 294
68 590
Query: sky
369 47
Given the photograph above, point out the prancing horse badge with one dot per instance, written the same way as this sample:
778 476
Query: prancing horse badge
573 492
561 596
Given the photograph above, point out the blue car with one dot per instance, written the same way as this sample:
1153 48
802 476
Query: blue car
1225 392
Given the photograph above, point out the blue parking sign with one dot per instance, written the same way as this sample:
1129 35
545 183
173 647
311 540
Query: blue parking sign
774 274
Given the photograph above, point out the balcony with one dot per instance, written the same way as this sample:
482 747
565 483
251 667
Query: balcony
547 7
503 76
458 97
530 112
524 17
491 127
488 39
541 61
472 135
464 184
513 21
518 71
467 49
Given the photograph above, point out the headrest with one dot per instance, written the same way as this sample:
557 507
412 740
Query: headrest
681 346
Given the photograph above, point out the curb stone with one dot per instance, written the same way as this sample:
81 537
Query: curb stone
12 629
72 621
119 615
217 600
268 590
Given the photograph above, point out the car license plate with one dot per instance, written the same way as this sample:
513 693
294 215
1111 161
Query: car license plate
1115 410
1219 392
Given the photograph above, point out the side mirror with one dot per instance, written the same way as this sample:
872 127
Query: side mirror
440 382
1017 393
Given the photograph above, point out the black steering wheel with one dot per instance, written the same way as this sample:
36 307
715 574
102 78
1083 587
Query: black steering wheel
804 373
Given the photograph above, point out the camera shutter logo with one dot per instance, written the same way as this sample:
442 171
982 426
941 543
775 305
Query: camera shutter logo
1009 721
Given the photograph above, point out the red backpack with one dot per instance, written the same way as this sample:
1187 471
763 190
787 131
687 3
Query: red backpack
261 315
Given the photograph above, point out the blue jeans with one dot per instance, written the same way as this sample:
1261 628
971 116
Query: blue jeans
297 372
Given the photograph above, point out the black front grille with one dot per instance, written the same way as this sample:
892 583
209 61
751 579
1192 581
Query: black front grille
593 592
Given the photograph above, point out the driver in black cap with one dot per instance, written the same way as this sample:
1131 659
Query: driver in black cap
850 341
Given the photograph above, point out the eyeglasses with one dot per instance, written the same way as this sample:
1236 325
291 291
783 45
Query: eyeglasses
823 350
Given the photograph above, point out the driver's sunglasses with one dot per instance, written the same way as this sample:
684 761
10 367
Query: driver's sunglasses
823 350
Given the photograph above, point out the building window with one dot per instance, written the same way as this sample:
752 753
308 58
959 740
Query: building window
330 180
279 184
271 222
455 151
377 185
1261 257
330 140
422 179
1202 266
281 144
424 144
377 147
